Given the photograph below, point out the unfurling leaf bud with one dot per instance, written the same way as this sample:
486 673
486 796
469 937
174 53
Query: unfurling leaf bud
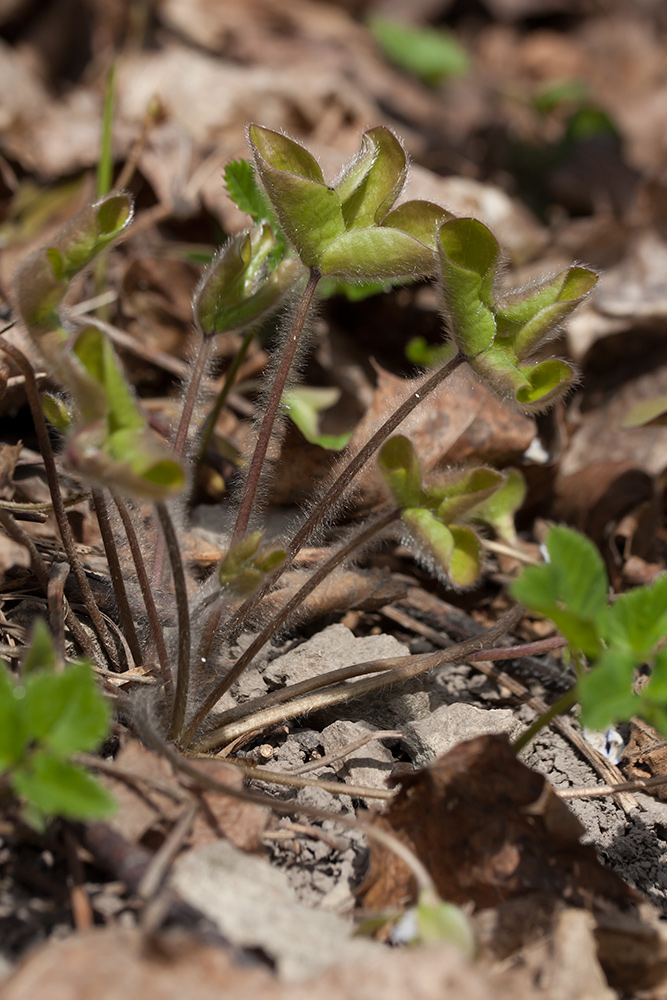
245 567
239 289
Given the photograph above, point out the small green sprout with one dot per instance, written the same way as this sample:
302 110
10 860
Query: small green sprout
247 564
500 334
438 517
46 716
617 638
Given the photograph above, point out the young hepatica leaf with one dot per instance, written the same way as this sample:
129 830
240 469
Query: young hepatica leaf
468 258
308 210
381 183
541 325
429 53
94 351
65 712
547 381
303 406
57 412
245 567
605 692
237 290
400 469
638 619
499 508
456 494
571 590
465 563
55 787
434 540
421 219
375 254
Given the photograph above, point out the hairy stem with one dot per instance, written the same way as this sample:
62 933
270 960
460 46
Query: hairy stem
230 378
359 539
272 406
67 538
116 573
328 501
183 615
189 403
147 595
402 668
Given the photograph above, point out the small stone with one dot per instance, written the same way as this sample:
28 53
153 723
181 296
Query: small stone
370 765
430 737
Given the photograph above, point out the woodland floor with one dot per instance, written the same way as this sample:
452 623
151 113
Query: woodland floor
238 901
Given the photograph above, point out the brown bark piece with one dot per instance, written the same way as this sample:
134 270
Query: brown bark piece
488 829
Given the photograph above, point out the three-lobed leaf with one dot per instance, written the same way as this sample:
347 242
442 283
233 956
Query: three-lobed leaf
571 589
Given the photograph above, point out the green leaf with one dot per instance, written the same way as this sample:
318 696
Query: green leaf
548 381
468 256
465 564
458 492
571 589
605 692
239 289
381 183
421 219
656 689
65 712
578 282
13 735
429 53
283 154
245 566
498 510
377 253
435 542
245 192
303 406
638 619
399 466
55 787
57 412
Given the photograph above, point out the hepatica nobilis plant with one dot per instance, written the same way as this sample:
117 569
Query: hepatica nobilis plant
304 229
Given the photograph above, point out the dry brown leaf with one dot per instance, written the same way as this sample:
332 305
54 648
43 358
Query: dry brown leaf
488 829
144 808
242 823
365 590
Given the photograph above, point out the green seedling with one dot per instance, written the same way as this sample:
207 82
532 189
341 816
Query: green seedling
616 638
439 517
46 715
